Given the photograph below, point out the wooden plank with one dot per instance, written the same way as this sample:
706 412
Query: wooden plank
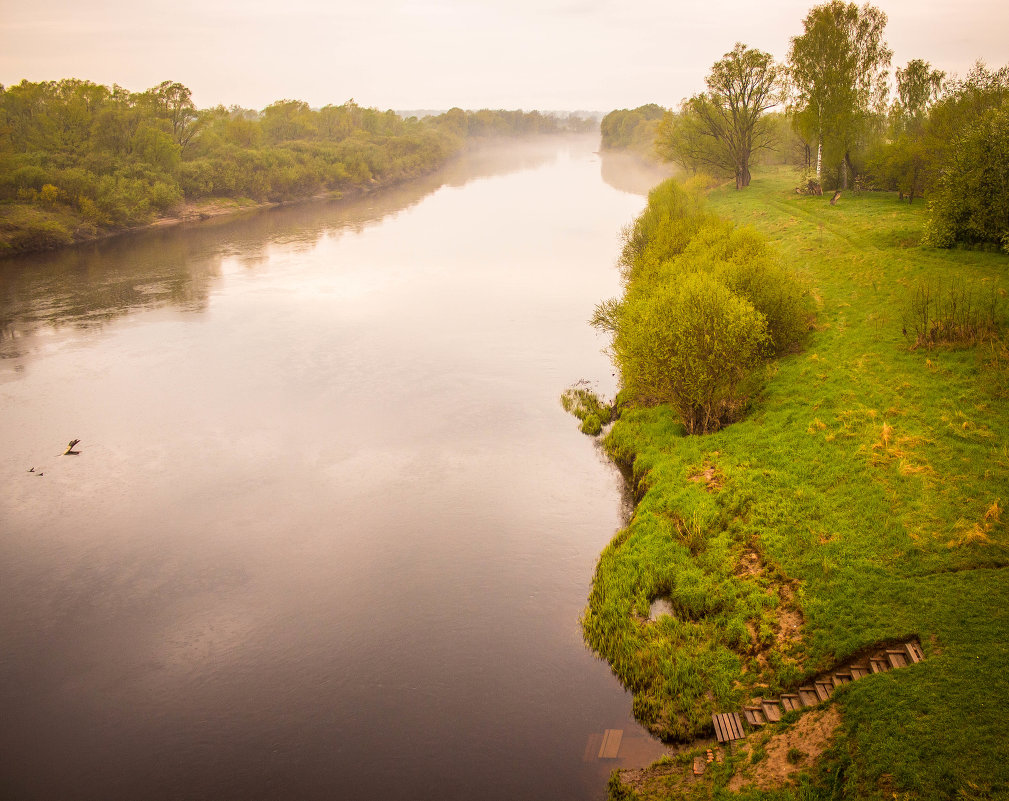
720 733
754 715
736 724
808 696
771 709
879 665
859 672
823 690
611 743
914 651
896 659
791 702
841 678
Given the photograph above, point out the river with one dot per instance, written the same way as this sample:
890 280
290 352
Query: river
329 533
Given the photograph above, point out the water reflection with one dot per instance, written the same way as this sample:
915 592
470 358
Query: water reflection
330 531
90 284
632 173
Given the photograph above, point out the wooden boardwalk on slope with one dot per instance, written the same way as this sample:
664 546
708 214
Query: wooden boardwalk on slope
728 726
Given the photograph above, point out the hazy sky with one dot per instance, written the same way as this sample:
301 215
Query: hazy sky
547 54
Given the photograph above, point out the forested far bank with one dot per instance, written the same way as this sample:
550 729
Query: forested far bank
79 160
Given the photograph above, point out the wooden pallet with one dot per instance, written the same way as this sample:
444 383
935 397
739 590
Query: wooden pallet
791 702
808 695
728 727
754 715
897 657
914 651
879 664
860 671
771 709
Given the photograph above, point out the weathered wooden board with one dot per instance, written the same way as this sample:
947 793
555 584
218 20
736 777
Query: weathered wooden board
611 743
728 727
897 659
791 702
771 709
808 696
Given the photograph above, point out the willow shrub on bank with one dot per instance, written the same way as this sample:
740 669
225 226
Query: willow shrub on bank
690 343
704 303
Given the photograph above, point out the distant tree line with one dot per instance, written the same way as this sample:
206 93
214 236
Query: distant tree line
833 111
632 129
78 159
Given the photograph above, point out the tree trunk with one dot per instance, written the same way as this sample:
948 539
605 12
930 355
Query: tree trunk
819 158
848 168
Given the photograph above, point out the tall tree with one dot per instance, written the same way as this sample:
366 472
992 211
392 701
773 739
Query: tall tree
725 126
839 67
918 88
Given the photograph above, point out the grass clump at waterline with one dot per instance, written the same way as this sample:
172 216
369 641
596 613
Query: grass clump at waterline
858 498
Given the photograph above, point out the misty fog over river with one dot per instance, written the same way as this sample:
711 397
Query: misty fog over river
330 533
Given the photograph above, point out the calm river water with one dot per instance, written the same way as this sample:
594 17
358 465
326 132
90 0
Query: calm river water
330 532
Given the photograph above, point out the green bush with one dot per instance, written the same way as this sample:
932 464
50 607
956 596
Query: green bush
664 229
690 344
743 261
971 203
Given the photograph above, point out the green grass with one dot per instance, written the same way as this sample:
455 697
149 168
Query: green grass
861 497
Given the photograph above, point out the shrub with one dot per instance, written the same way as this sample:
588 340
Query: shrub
664 229
744 262
50 195
957 312
689 343
970 204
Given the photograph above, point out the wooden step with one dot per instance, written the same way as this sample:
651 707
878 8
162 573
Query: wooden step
772 711
808 696
914 651
823 689
754 715
859 671
791 702
896 657
841 678
728 726
879 664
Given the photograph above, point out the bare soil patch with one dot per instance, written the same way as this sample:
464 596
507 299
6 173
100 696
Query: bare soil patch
806 740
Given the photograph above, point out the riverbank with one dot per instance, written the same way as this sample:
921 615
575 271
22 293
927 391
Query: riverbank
860 501
62 227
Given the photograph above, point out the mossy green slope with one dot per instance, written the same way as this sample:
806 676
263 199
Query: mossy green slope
861 500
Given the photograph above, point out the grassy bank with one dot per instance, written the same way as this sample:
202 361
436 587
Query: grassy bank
860 500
